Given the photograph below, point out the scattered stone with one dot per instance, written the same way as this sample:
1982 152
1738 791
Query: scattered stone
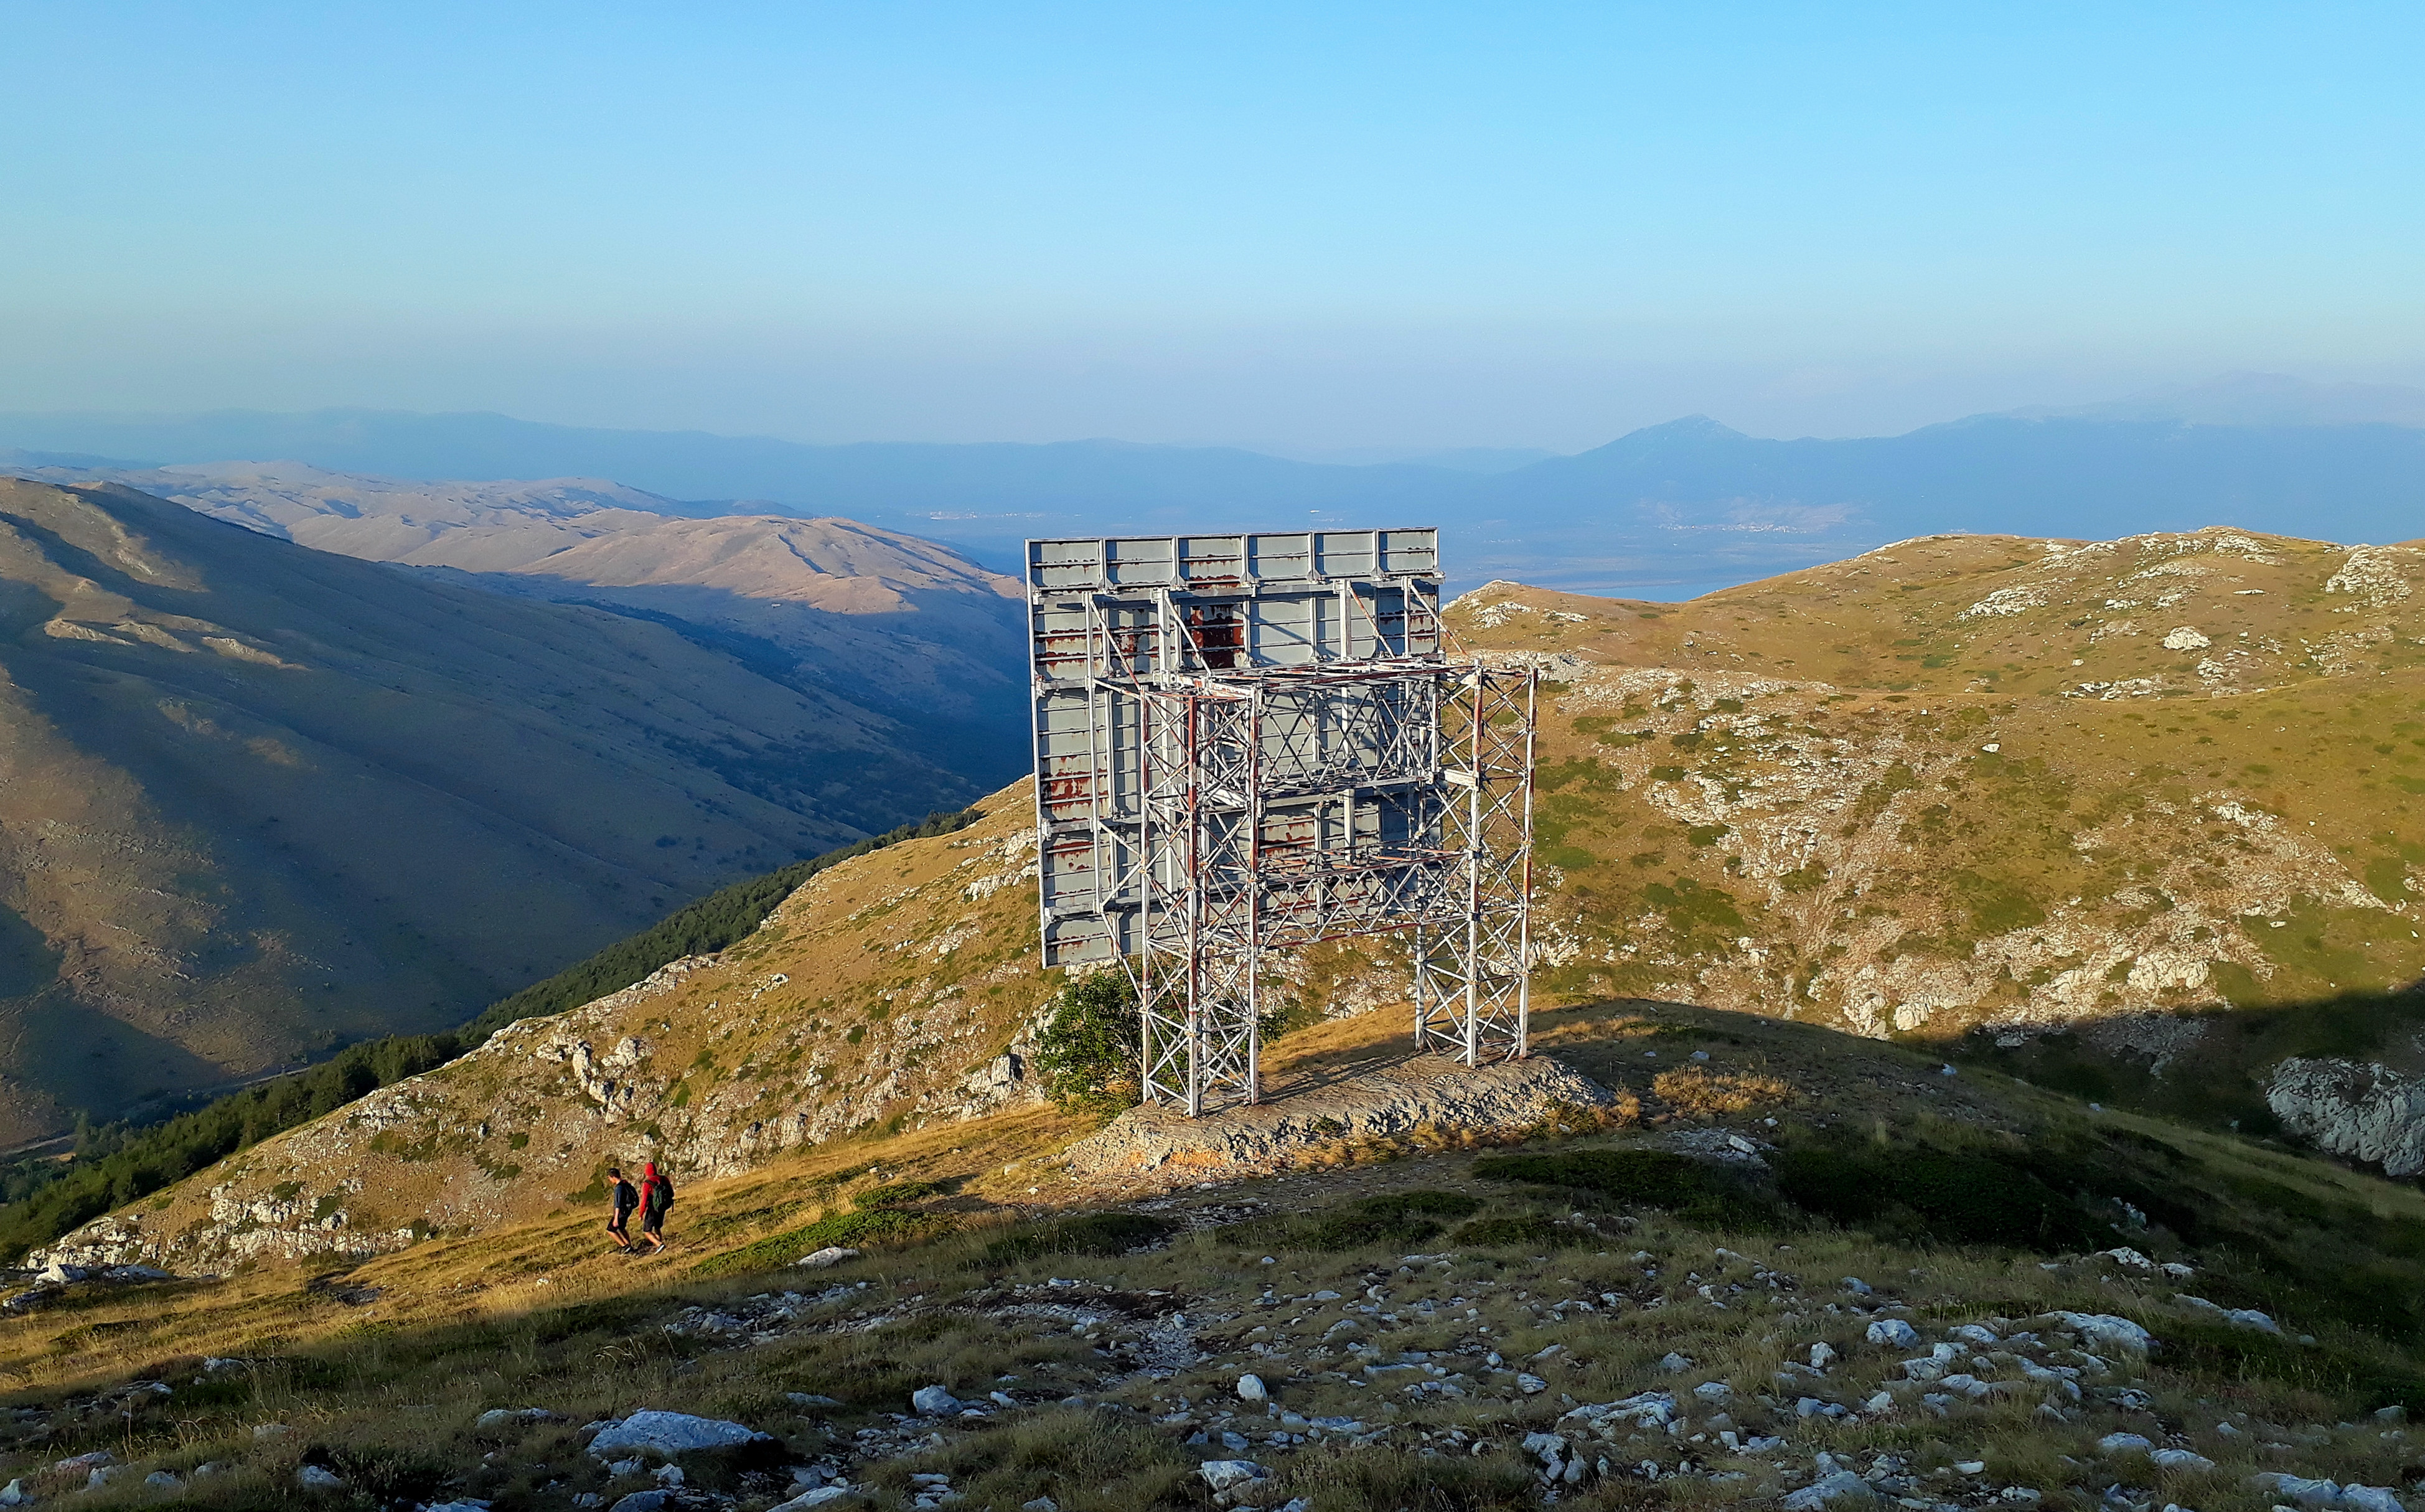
506 1417
831 1255
15 1494
2124 1443
1227 1475
2105 1329
1530 1384
2370 1499
1856 1286
1842 1487
1674 1364
270 1430
2242 1317
1713 1390
318 1478
2128 1259
2298 1489
1251 1389
933 1402
667 1434
821 1496
1821 1356
161 1480
2180 1459
93 1460
810 1399
1042 1503
1894 1333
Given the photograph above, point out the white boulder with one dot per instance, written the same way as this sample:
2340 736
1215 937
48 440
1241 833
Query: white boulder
1894 1333
1229 1474
1842 1487
667 1434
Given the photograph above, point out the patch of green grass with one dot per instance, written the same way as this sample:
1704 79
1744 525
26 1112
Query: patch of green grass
1390 1220
895 1195
1092 1234
883 1227
1526 1231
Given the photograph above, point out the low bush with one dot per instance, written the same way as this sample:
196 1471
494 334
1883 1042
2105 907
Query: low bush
1089 1049
1092 1234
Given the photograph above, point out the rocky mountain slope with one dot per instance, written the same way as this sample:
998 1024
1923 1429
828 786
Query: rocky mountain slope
891 992
1767 1256
1957 791
1979 782
260 801
884 619
1784 1267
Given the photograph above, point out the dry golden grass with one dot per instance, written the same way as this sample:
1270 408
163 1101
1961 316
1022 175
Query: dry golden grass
538 1314
1698 1092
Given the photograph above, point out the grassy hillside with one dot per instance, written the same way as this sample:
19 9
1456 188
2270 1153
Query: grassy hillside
1388 1303
1979 782
48 1197
263 802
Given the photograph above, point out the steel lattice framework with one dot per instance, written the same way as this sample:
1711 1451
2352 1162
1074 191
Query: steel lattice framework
1255 742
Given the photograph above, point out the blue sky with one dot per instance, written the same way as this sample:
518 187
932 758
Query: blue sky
1303 226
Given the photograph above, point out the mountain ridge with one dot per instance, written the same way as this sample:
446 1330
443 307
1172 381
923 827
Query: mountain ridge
265 800
1664 512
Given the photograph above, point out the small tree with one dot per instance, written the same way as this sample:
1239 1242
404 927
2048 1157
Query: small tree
1089 1049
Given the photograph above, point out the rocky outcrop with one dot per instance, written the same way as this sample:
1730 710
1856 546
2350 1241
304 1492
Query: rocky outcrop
2359 1112
1160 1146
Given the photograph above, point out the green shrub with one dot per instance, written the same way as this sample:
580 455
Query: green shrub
1089 1051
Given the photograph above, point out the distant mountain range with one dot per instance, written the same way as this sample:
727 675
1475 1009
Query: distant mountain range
1667 511
889 621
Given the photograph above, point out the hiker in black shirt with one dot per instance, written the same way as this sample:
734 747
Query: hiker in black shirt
625 1200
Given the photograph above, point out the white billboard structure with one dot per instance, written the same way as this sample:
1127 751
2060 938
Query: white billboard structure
1256 742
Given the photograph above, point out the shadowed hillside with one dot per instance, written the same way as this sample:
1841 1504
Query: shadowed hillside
262 801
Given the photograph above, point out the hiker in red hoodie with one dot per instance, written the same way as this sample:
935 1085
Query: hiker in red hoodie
656 1199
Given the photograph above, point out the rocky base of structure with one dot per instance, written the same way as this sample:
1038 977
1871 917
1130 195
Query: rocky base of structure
1427 1098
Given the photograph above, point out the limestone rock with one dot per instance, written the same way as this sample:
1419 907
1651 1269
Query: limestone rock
1268 1137
1843 1487
668 1434
2363 1112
